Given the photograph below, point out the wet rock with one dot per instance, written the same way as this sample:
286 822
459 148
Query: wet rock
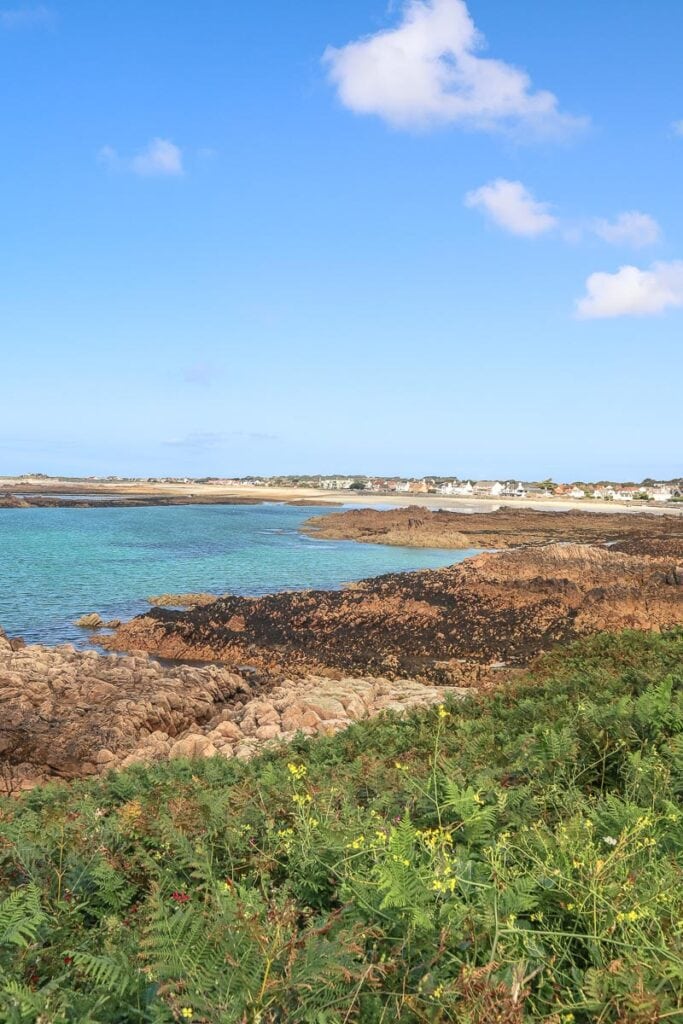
447 625
90 621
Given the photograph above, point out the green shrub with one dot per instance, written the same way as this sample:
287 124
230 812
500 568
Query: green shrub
513 857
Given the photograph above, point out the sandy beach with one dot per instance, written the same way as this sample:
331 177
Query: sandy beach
224 494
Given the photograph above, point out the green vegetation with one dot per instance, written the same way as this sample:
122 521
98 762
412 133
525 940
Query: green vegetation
510 858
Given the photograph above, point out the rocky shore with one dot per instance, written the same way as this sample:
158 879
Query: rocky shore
506 527
453 625
8 500
317 661
69 714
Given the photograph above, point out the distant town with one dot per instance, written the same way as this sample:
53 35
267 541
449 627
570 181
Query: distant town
647 490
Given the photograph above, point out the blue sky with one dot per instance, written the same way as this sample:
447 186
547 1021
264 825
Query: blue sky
342 237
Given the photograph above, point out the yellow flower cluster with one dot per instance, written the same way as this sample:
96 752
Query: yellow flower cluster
356 844
444 885
297 771
435 837
629 915
301 799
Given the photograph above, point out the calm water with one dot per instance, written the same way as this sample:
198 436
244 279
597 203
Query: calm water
58 563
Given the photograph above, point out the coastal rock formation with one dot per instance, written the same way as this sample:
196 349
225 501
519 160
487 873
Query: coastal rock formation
445 625
47 500
504 528
181 600
69 714
95 621
12 501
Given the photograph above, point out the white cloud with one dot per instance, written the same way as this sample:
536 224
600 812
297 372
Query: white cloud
512 207
677 127
427 72
630 228
160 158
633 292
25 17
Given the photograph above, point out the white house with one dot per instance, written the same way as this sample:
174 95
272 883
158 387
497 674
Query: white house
607 493
336 483
577 492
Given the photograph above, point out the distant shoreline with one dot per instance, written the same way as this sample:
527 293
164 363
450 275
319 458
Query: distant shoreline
98 494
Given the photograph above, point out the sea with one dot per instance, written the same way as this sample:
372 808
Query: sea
57 564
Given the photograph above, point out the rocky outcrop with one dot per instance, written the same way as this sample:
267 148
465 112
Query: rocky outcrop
69 714
12 501
181 600
446 625
95 621
504 528
47 500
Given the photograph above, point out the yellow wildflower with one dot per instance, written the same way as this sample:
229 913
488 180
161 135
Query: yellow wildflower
301 799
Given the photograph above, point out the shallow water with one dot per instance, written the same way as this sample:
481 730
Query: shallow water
59 563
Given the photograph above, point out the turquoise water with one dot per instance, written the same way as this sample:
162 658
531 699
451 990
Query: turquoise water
59 563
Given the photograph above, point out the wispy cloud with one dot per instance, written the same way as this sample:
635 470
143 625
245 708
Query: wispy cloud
160 158
630 228
25 17
196 440
215 440
631 291
511 206
677 127
427 72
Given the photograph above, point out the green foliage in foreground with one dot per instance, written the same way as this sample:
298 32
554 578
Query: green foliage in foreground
510 858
